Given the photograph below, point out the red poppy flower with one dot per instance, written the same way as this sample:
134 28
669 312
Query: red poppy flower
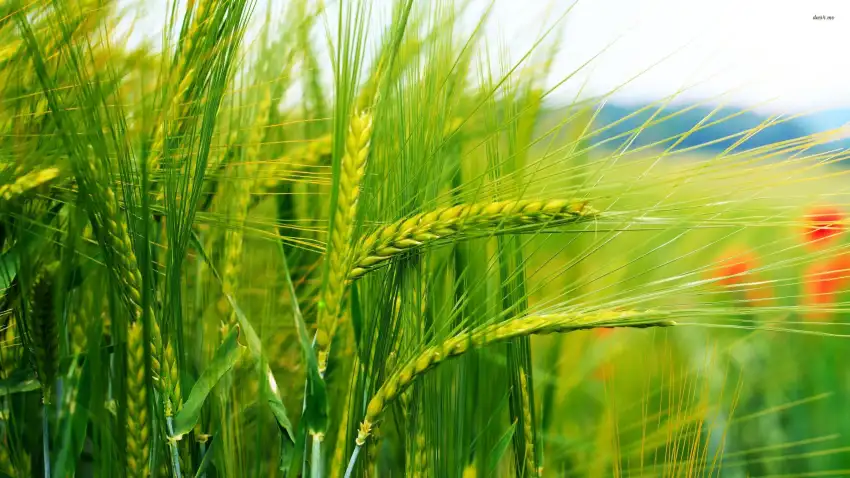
824 280
823 225
733 268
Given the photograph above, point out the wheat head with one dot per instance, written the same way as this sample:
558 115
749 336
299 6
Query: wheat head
353 170
26 183
422 229
138 425
489 334
44 334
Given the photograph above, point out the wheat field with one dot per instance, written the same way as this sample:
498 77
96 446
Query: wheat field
286 241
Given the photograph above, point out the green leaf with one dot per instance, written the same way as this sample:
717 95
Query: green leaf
8 268
19 381
224 360
205 461
315 416
269 390
499 450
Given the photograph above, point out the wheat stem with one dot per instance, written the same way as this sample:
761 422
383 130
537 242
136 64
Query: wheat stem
492 333
422 229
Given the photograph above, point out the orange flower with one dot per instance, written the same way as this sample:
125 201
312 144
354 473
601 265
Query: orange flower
823 281
823 225
733 268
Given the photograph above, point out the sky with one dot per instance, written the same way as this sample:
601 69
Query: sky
768 55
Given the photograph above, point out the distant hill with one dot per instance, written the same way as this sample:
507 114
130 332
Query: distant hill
674 121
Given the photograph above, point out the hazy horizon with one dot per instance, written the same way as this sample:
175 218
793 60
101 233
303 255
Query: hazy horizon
768 55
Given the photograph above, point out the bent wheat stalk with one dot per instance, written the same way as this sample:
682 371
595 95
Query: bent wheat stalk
425 228
492 333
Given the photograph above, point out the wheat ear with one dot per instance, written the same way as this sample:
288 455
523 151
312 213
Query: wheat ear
26 183
242 182
117 242
138 426
353 167
492 333
313 154
44 335
422 229
79 318
10 350
171 387
528 425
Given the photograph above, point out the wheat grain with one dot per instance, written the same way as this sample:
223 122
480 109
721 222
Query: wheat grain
422 229
138 426
353 169
492 333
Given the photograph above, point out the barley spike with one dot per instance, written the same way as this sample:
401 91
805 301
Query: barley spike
353 170
419 230
492 333
44 334
138 426
27 182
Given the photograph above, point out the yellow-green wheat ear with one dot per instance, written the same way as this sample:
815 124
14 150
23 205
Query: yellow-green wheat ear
488 334
353 168
138 425
419 230
26 183
44 334
172 375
